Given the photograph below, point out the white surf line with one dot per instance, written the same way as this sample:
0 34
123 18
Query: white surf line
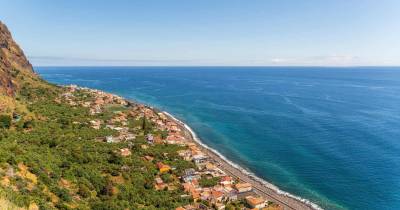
244 171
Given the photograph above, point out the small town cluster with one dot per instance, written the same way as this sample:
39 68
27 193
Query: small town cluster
206 183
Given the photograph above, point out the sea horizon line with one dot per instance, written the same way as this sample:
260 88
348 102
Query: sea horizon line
219 66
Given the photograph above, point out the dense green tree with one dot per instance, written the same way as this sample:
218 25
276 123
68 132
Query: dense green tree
208 181
5 121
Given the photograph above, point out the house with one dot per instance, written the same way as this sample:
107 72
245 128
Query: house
255 202
226 180
95 124
188 187
196 206
231 195
200 158
72 88
174 139
150 139
174 128
130 136
160 184
163 167
95 110
110 139
205 195
219 206
110 127
185 154
195 195
189 172
99 101
125 152
86 104
217 196
162 116
118 128
158 180
190 178
243 187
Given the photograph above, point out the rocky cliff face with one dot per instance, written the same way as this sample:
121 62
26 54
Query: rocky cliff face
12 62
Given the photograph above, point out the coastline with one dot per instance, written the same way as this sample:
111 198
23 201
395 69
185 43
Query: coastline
261 187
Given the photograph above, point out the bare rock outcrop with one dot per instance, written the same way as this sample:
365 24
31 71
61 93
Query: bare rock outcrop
12 62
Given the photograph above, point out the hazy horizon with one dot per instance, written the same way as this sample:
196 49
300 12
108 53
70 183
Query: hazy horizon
228 66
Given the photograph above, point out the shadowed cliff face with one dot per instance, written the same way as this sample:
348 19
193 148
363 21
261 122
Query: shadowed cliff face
12 62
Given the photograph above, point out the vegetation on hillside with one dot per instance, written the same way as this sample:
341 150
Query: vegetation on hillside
50 156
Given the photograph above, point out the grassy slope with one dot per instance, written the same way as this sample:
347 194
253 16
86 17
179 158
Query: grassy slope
6 204
61 147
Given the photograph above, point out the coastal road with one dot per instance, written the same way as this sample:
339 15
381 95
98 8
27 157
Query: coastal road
288 203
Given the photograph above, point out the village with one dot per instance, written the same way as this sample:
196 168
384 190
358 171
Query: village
206 183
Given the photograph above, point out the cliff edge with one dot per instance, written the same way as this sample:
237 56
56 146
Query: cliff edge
12 63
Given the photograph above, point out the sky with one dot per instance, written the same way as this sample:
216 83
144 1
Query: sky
206 32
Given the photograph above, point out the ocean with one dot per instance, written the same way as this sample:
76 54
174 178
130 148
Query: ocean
329 135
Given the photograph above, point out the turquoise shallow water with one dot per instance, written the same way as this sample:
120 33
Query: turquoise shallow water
331 135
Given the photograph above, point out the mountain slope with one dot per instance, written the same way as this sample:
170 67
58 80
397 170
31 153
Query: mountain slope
16 74
54 149
12 62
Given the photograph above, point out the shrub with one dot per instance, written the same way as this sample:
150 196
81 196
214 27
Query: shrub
208 182
84 191
5 121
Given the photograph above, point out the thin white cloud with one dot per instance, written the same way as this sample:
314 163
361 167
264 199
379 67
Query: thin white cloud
328 60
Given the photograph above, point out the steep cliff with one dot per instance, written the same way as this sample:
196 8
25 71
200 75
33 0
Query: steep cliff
12 63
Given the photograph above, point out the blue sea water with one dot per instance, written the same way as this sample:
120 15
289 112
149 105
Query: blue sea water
330 135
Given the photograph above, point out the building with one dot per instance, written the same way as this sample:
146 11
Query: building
226 180
110 139
243 187
130 136
160 184
190 172
163 167
231 196
219 206
217 196
190 178
125 152
255 202
198 159
150 139
95 124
